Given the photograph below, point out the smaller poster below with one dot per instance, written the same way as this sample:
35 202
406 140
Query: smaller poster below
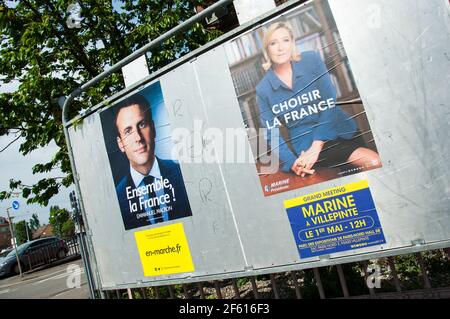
164 250
337 219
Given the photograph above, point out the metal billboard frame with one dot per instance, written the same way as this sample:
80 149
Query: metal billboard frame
416 246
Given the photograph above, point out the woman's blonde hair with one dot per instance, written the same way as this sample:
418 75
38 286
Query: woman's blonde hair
272 28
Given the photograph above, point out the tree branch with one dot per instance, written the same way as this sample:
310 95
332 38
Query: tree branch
10 143
80 49
91 24
78 54
116 35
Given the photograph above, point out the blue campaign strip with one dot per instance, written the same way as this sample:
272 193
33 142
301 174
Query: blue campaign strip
344 222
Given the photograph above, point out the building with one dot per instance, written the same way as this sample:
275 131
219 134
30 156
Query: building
43 231
5 235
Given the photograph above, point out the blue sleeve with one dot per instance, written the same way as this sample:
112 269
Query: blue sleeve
326 127
287 158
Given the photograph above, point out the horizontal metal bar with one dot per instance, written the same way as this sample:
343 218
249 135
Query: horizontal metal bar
287 268
181 27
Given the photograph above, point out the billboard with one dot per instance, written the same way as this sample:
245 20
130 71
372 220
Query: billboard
305 76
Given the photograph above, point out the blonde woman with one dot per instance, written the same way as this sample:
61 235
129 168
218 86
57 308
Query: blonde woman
297 93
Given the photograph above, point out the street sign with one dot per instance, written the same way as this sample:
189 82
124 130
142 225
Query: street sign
15 205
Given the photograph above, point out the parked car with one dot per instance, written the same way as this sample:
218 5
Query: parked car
5 252
32 254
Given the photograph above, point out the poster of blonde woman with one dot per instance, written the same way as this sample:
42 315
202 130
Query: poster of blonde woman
293 82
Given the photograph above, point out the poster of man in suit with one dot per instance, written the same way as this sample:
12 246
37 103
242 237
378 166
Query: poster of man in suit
149 183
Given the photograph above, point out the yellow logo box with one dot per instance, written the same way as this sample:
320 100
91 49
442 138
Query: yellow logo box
164 250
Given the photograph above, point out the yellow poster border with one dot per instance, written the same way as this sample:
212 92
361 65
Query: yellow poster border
327 193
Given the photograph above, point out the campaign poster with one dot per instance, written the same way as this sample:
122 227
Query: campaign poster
333 220
164 250
299 101
148 181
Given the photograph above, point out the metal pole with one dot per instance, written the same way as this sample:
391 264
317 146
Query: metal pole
298 293
171 292
14 241
186 291
200 290
319 283
157 294
143 293
83 252
26 230
254 287
130 294
236 288
366 274
218 291
274 286
82 236
423 269
342 281
111 70
391 262
84 258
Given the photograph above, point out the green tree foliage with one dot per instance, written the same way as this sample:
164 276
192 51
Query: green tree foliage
20 231
61 221
68 229
48 59
34 222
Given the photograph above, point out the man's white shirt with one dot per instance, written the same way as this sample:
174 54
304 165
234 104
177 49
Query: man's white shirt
156 173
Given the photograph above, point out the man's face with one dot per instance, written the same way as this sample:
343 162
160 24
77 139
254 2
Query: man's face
136 138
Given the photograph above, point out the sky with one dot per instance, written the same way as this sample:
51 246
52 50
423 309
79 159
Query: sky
14 165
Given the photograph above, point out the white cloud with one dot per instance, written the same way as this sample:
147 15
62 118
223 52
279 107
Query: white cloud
16 166
19 167
9 87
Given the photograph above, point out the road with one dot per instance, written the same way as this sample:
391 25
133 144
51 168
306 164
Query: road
65 281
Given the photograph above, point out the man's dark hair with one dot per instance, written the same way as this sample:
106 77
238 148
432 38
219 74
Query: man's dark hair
138 99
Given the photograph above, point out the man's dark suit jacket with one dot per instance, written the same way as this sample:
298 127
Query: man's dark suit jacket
181 208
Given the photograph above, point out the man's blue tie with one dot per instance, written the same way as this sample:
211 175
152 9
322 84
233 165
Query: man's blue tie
156 217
